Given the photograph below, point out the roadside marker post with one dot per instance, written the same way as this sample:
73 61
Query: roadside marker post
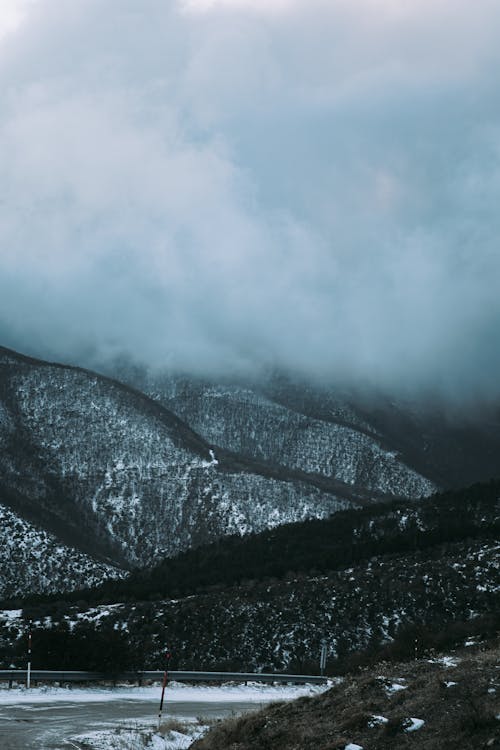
165 680
28 673
322 659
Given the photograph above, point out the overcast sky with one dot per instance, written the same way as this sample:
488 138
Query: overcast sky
217 185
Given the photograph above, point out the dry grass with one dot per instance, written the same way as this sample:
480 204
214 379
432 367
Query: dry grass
457 716
173 725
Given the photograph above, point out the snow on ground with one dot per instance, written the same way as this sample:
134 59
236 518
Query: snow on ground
415 724
175 692
396 687
392 687
142 739
446 661
376 721
177 737
10 615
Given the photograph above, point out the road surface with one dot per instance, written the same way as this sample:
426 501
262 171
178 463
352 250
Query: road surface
49 726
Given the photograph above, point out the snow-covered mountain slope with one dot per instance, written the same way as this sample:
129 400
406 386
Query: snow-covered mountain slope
279 625
33 560
109 470
397 445
129 478
248 422
455 444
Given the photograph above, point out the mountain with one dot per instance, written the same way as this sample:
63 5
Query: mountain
399 445
360 581
316 546
126 477
279 624
267 424
106 469
32 559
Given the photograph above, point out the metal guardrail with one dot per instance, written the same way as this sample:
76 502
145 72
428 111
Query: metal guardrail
40 675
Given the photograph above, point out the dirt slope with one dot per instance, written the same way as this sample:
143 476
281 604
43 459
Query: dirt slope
439 704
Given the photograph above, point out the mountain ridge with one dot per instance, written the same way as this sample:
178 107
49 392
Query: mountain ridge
129 478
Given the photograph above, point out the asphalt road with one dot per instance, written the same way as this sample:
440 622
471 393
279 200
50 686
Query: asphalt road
51 726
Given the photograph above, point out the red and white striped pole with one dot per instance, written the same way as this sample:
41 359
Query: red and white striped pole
165 680
28 673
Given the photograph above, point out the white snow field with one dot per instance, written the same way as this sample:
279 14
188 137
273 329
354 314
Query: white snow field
176 692
125 717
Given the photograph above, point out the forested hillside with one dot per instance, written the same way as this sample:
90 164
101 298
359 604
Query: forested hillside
316 546
360 585
358 435
271 625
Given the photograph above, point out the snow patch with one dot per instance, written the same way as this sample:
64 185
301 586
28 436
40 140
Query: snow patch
414 725
213 461
9 615
138 739
446 661
395 687
376 721
391 687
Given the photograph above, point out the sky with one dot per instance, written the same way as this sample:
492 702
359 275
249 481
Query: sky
232 186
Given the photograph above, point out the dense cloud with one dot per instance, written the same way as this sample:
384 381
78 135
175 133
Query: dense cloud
226 185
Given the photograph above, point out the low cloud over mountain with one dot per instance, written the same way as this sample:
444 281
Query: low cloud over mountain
227 185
